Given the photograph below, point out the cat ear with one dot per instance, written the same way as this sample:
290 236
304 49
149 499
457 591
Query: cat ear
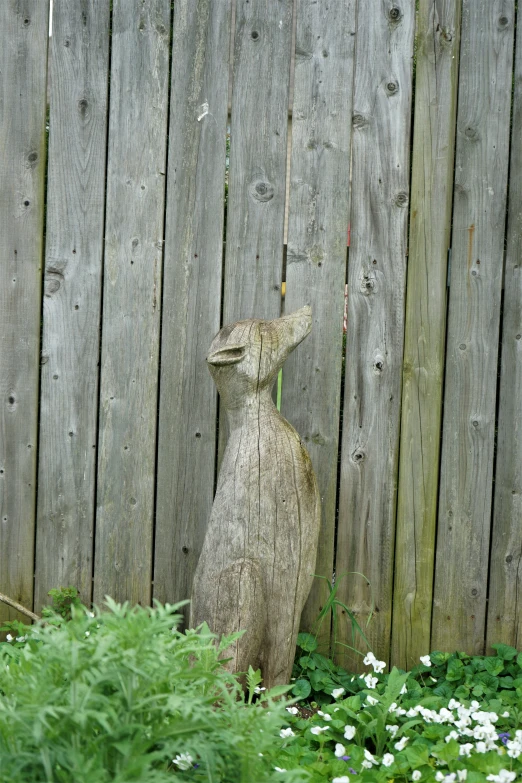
230 354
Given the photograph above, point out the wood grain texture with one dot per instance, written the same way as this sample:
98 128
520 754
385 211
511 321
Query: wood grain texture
505 576
257 561
132 299
23 67
72 297
258 135
438 38
481 167
316 255
192 290
376 282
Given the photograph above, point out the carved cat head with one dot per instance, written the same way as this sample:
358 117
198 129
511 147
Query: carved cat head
246 356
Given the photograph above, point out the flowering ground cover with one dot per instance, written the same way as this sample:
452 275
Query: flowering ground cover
452 718
123 696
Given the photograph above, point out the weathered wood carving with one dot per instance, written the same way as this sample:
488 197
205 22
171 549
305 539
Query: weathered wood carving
257 562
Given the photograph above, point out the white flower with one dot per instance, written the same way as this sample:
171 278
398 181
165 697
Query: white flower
379 667
20 638
340 750
337 692
403 689
401 744
368 756
324 715
465 750
462 774
342 779
91 614
292 710
87 633
392 707
370 681
505 714
452 735
426 660
371 700
392 729
183 760
481 747
388 759
369 659
257 689
319 729
504 776
451 778
416 775
280 769
349 732
366 764
286 733
453 705
9 638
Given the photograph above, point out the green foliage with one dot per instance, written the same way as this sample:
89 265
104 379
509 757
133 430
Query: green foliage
123 696
63 599
427 725
315 674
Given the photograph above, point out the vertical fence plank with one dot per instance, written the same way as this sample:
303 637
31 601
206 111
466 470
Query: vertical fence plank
438 36
192 290
258 135
132 298
72 294
473 325
376 280
23 68
316 256
505 591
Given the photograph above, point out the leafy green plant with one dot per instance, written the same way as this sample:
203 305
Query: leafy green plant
123 696
62 601
411 727
315 674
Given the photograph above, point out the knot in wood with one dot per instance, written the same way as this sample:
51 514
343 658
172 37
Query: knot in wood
367 284
359 121
357 456
503 22
83 105
392 88
471 134
262 190
401 200
395 14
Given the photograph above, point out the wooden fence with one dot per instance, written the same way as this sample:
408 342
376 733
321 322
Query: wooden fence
407 127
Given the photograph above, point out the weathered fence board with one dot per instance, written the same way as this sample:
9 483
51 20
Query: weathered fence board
316 255
258 134
192 290
132 299
474 313
23 59
505 577
376 280
438 32
72 297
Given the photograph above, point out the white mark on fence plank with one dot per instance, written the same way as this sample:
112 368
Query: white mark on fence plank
192 291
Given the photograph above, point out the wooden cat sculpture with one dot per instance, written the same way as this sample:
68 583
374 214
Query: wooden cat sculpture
258 558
